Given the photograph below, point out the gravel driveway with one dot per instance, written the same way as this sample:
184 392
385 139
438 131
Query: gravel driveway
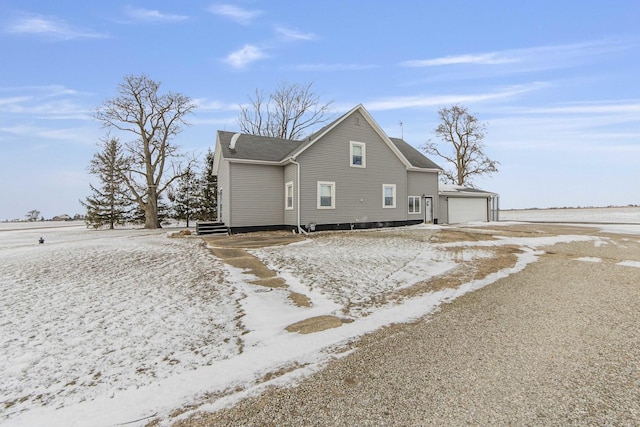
556 344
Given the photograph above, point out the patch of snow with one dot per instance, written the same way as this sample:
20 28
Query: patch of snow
635 264
626 215
91 313
117 326
589 259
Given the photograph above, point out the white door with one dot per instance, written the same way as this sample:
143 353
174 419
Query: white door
467 209
428 210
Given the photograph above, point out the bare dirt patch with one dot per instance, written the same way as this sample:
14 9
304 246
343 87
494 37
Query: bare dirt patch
252 265
504 257
254 240
315 324
533 230
456 235
300 300
226 253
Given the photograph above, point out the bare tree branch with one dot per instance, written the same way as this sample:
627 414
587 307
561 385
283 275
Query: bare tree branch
464 133
290 111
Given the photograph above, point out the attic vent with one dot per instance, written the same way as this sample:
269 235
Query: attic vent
234 139
356 120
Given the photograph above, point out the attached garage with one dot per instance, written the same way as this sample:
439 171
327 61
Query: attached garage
462 204
466 209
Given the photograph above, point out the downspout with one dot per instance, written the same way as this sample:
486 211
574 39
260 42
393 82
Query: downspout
300 229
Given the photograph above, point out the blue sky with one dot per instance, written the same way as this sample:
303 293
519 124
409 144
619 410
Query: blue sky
556 82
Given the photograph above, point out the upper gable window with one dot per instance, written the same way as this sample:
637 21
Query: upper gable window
358 154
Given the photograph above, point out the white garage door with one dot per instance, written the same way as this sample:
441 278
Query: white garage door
467 209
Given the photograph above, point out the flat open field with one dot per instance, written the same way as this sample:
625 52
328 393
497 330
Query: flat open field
626 215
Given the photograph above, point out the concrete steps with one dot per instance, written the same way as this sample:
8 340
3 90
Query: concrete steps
211 228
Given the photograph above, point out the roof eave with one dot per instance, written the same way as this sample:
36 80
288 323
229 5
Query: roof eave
256 162
463 194
416 169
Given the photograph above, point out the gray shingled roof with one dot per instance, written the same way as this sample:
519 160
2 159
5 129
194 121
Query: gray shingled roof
454 190
416 158
262 148
253 147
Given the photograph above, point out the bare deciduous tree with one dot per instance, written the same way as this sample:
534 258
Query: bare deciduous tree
33 215
154 119
287 113
464 133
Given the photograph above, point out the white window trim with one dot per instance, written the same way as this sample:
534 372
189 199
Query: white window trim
364 154
288 185
419 199
333 194
384 187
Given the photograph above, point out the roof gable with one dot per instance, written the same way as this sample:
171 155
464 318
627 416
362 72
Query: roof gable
261 149
313 138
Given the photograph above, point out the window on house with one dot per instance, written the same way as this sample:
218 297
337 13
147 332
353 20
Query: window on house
326 195
388 195
414 204
358 154
288 194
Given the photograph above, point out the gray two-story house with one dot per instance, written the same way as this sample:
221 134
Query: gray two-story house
347 175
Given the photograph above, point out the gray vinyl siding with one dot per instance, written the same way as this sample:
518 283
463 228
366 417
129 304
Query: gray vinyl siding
224 190
358 190
443 210
290 175
258 195
419 184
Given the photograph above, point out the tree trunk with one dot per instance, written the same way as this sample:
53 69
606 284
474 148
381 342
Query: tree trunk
151 212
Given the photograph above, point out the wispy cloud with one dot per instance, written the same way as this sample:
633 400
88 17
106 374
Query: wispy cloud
208 105
150 15
333 67
83 135
291 34
402 102
583 126
483 58
539 57
235 13
601 107
50 27
248 54
44 102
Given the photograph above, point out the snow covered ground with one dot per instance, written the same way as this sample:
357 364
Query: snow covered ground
599 215
108 327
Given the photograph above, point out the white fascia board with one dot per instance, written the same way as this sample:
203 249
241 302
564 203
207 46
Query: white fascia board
295 154
466 195
217 154
414 169
255 162
383 135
